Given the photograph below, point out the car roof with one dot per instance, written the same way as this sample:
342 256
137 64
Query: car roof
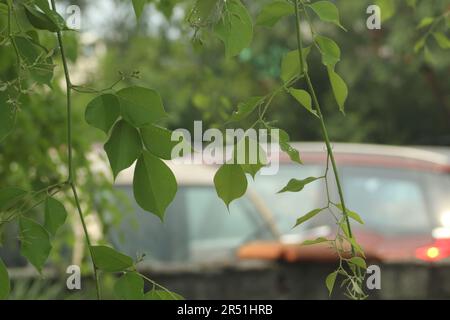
414 157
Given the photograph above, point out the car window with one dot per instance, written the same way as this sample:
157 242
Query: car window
288 207
197 227
388 200
213 228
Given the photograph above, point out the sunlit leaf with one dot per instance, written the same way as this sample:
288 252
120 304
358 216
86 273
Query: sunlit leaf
387 7
442 40
327 11
304 98
315 241
307 217
339 87
358 261
351 214
425 22
331 54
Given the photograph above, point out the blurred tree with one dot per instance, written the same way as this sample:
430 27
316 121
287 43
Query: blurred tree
397 96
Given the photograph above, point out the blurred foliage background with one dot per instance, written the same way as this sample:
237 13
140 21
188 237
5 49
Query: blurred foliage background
397 95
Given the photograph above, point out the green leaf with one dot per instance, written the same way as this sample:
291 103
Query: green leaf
387 8
411 3
40 20
202 11
158 141
285 146
154 184
246 108
295 185
273 12
141 106
351 214
7 115
327 11
316 241
250 158
307 217
330 280
304 98
9 197
162 295
109 260
331 54
340 89
138 6
420 44
103 111
55 215
425 22
235 29
358 261
123 147
442 40
29 52
130 286
351 240
5 286
230 182
290 65
35 242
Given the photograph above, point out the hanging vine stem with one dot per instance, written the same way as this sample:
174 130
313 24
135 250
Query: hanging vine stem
71 179
330 153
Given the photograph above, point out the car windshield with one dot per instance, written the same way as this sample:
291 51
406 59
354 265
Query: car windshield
390 201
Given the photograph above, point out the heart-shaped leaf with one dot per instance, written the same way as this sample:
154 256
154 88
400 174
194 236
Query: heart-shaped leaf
141 106
230 182
35 242
103 111
123 147
154 184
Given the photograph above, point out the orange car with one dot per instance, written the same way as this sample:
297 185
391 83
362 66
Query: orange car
402 194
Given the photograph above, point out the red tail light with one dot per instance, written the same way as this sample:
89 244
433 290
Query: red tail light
439 250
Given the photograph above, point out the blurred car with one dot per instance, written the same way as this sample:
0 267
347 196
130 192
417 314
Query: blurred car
401 193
